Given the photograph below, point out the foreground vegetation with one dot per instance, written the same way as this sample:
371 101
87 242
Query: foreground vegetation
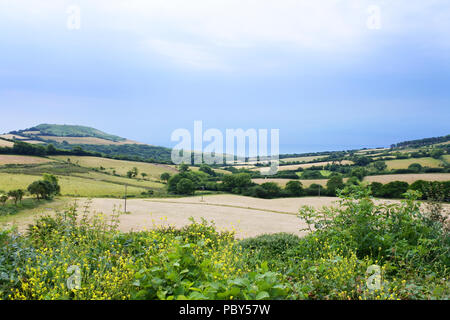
410 246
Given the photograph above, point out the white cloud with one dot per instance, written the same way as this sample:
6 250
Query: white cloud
204 33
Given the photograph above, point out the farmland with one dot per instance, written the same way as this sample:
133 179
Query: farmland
12 159
404 163
119 166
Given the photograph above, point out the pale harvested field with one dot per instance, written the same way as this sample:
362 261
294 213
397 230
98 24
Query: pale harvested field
12 159
308 165
121 167
305 183
13 136
4 143
247 216
410 178
88 140
301 159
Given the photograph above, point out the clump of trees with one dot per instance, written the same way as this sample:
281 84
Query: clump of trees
45 188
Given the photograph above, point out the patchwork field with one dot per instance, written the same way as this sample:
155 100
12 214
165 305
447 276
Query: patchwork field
404 163
5 143
302 159
309 165
247 216
121 167
13 159
283 182
410 178
87 140
70 185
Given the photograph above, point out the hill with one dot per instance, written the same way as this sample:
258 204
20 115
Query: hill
74 137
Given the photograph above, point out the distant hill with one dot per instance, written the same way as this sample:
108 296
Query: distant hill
422 142
74 131
70 137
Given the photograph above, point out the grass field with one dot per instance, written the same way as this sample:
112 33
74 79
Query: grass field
87 140
120 166
404 163
71 185
13 159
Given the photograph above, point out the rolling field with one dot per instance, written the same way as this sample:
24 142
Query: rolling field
302 159
120 166
248 216
70 185
87 140
404 163
410 177
309 165
4 143
13 159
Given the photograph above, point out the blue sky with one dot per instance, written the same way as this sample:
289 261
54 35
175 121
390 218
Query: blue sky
313 69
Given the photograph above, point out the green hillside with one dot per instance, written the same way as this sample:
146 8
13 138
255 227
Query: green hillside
71 131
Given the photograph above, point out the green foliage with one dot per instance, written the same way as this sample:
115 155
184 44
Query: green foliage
415 167
236 183
45 188
334 183
436 153
295 188
380 165
73 131
165 176
359 173
185 186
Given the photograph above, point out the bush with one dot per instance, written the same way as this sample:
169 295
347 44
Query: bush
394 189
294 188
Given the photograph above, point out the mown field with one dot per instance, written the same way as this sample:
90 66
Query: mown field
197 261
13 159
121 167
404 163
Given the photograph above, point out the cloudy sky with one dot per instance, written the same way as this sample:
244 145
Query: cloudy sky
329 74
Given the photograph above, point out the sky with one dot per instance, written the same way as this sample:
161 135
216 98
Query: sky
329 74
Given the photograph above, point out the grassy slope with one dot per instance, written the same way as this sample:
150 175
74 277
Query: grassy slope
120 166
404 163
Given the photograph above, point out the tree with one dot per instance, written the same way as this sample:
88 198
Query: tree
207 169
183 168
273 190
359 173
3 199
165 176
436 153
377 189
380 165
46 188
394 189
334 183
295 188
16 195
185 186
415 167
143 174
236 182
